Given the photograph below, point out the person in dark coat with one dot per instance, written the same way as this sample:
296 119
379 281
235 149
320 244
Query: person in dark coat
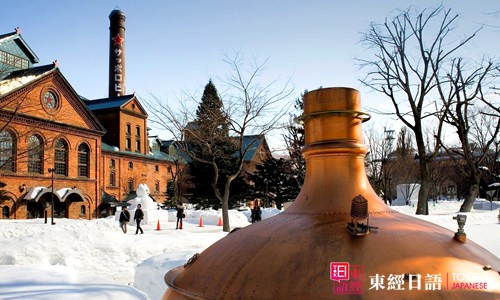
256 213
180 216
138 216
124 219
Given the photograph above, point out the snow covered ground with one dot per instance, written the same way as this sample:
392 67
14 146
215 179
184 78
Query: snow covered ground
82 259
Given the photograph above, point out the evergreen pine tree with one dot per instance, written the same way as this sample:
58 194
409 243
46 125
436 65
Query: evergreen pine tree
295 141
274 181
210 144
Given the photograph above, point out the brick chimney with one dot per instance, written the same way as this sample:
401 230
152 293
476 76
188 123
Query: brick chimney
116 53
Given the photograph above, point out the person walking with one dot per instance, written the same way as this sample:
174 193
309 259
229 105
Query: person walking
256 213
124 219
180 216
138 216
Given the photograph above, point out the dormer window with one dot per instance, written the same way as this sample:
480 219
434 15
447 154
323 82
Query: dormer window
13 60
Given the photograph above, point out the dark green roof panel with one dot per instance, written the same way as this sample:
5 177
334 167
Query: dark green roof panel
108 103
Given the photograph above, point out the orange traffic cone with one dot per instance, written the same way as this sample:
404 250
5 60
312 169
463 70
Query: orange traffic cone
220 222
158 225
201 222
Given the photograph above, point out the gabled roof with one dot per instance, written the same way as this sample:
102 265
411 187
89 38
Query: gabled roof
108 103
171 147
252 142
16 36
20 78
113 103
35 71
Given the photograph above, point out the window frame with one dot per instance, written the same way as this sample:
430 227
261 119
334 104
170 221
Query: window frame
112 179
83 166
35 154
61 165
8 150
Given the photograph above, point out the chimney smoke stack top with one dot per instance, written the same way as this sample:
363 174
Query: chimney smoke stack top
116 53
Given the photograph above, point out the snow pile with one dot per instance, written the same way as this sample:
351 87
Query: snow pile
58 282
82 259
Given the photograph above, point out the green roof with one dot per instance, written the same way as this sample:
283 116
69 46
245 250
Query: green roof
107 103
157 155
252 142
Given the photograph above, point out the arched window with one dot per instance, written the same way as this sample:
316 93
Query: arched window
129 129
130 165
112 164
137 138
82 210
128 144
130 185
83 160
112 179
5 212
157 186
138 146
7 151
61 157
35 154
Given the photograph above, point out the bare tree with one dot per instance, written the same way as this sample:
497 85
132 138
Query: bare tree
176 185
403 167
410 50
482 131
17 113
459 91
251 108
378 164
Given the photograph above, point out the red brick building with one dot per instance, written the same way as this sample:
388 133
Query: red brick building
93 152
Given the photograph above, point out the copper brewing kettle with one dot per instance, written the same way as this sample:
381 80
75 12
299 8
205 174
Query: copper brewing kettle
338 228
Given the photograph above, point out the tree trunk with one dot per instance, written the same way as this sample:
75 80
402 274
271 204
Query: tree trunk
425 188
225 214
423 195
470 197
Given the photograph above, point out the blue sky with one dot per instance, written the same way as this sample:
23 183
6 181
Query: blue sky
178 45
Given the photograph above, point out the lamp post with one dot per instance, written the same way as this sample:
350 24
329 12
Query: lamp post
267 199
52 170
389 194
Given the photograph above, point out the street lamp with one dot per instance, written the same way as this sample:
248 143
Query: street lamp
52 170
389 192
267 191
